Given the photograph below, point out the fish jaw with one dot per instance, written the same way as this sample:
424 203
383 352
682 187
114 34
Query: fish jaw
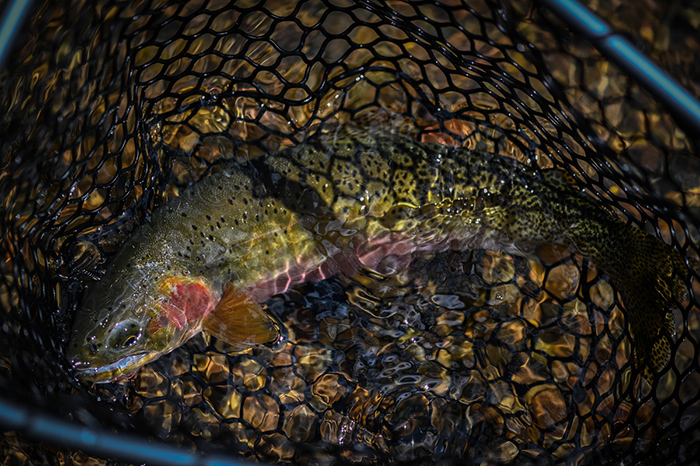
100 365
122 369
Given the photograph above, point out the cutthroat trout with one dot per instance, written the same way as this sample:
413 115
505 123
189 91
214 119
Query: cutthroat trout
334 204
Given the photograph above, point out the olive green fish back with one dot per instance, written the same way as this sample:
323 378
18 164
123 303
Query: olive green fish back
409 186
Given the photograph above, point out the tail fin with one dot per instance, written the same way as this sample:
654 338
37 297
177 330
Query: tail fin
650 275
651 278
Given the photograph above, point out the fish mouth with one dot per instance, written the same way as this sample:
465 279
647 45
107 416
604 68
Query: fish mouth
126 367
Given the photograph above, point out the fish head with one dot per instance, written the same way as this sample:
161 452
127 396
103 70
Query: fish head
121 327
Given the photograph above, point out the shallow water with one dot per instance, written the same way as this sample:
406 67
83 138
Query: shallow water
499 358
476 354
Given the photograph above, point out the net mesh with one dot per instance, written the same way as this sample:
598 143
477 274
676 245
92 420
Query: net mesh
110 109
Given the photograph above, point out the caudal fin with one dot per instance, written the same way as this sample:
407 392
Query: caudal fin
651 278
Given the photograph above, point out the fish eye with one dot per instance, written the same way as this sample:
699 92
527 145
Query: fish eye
130 340
125 334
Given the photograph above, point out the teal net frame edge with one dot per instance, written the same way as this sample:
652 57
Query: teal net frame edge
13 18
66 434
684 107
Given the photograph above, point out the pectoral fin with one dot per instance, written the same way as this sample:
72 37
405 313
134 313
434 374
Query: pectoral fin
239 320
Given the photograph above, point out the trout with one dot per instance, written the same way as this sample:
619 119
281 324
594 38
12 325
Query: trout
207 259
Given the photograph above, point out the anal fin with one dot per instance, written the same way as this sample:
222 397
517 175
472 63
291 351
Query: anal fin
239 320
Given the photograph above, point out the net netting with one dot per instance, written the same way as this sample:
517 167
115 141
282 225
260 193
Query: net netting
110 109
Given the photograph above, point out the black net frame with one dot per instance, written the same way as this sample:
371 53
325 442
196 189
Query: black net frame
108 113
